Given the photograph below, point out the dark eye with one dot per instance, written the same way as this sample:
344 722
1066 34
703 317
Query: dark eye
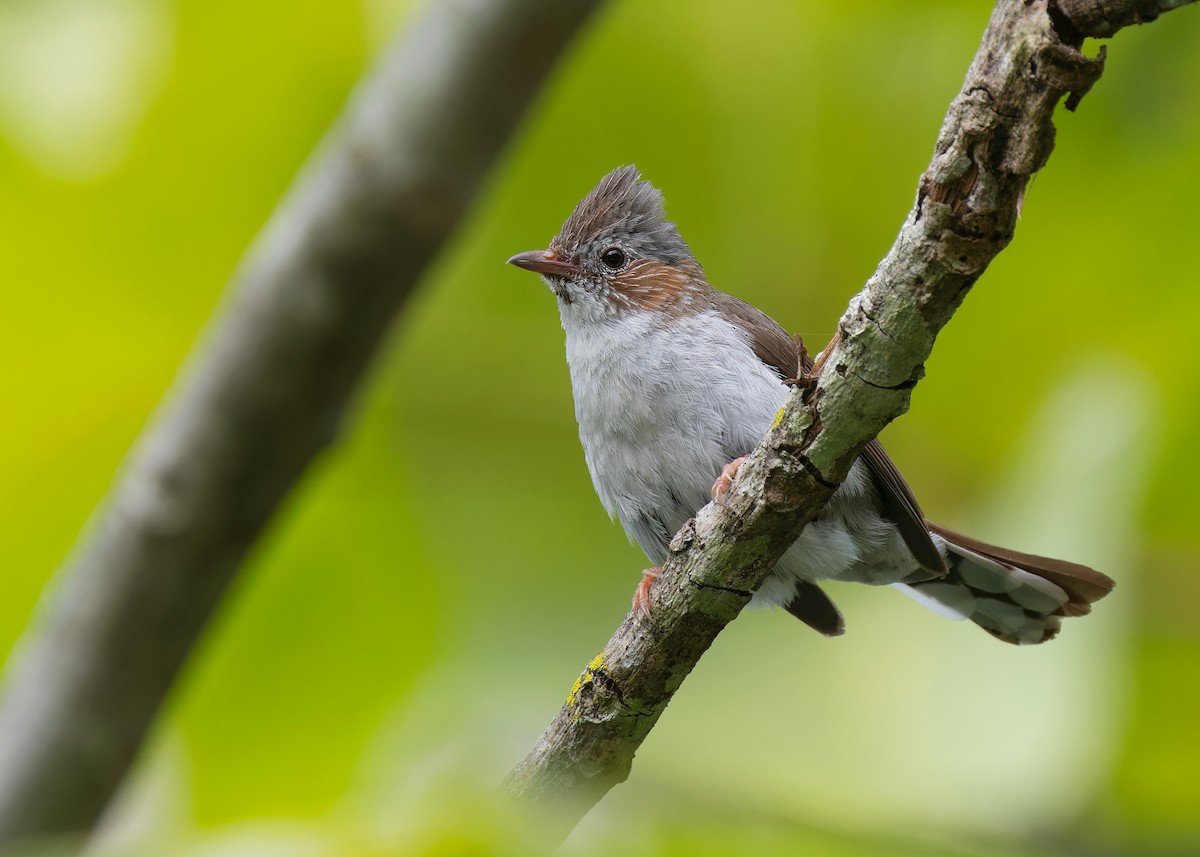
613 258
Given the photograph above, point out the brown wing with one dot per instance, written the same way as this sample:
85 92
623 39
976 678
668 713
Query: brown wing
900 507
1084 585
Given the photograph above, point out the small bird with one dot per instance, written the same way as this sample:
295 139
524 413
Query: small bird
675 382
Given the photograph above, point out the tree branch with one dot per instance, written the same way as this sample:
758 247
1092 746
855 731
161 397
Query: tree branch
1076 20
996 135
269 389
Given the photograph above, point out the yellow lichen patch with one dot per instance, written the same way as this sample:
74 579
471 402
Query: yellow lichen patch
598 663
778 419
576 687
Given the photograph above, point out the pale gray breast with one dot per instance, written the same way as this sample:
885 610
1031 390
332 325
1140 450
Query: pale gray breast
663 404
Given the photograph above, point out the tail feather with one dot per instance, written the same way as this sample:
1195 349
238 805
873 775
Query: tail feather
1019 598
945 598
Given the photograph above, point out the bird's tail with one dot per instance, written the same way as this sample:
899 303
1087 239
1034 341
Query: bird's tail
1017 597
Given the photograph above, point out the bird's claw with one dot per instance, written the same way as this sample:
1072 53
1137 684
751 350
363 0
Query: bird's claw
641 595
725 481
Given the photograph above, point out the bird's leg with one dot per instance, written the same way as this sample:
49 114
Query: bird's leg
725 480
641 595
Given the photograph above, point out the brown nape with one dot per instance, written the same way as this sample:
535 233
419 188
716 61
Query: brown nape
653 285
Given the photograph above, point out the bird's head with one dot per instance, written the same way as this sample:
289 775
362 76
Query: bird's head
617 252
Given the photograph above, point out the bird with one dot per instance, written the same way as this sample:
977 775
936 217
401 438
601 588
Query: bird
675 382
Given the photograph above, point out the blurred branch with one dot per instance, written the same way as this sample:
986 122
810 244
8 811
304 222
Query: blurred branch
309 307
996 135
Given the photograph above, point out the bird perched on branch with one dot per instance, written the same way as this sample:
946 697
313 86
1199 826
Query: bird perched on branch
675 382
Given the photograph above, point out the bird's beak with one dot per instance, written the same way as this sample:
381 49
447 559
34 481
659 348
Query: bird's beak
544 262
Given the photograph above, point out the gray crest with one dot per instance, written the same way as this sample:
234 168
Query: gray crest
622 209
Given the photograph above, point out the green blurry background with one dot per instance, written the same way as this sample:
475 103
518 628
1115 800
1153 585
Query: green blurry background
426 598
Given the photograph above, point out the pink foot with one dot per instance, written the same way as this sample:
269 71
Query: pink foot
641 595
725 480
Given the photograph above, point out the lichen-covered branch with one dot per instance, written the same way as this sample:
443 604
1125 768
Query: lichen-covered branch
996 135
263 395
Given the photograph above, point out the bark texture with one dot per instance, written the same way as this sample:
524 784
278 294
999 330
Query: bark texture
997 133
1101 19
262 396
